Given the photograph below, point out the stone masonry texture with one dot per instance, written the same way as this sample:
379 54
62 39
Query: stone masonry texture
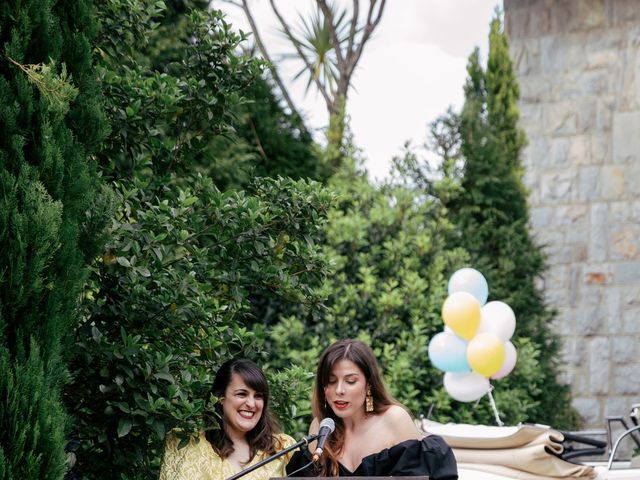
578 64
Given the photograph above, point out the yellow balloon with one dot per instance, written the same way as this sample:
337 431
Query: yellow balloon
461 313
486 354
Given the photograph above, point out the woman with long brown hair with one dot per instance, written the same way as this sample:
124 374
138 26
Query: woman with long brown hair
374 435
241 433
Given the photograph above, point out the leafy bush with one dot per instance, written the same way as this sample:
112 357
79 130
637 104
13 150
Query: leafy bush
167 303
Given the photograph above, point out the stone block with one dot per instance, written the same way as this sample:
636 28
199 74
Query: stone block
626 273
540 152
557 296
625 379
598 235
589 182
589 15
531 18
615 324
560 118
559 151
591 295
626 137
574 352
631 296
615 406
599 372
557 276
579 150
624 242
562 323
600 148
572 215
558 185
597 59
625 12
526 58
631 319
548 237
619 212
593 82
632 174
625 76
609 39
564 253
575 275
541 216
577 236
564 86
588 409
635 210
613 182
587 111
531 119
612 308
624 349
589 321
597 277
533 89
579 383
605 107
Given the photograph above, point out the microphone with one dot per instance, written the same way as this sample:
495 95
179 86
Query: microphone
327 426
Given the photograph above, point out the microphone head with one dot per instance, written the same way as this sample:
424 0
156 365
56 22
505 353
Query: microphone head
327 423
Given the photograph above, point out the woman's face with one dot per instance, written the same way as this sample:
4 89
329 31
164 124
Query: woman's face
242 407
346 390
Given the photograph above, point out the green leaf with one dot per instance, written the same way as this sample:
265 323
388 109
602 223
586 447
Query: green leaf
124 427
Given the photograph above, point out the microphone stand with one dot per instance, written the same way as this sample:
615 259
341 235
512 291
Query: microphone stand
305 441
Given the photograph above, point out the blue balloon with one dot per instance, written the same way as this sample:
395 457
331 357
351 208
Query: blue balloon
448 353
471 281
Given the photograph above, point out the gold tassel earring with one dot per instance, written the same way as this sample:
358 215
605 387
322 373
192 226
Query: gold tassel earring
368 404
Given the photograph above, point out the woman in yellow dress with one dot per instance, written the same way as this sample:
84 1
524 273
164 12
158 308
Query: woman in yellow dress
247 432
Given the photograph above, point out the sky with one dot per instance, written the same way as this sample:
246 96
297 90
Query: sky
411 71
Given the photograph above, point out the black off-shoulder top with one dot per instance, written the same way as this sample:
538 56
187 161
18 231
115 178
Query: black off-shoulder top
430 456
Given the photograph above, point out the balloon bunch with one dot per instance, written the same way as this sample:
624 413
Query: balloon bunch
474 346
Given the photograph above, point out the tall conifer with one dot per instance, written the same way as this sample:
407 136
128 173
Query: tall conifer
50 121
493 216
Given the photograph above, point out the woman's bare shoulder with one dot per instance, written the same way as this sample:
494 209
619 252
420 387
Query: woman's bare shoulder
398 421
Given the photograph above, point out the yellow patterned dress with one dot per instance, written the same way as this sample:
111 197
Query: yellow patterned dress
198 461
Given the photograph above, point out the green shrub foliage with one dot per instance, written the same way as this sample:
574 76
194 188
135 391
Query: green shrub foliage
173 293
388 283
167 305
50 124
268 142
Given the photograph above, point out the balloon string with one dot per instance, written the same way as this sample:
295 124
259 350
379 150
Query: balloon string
494 408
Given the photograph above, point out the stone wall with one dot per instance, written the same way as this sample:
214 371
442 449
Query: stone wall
578 63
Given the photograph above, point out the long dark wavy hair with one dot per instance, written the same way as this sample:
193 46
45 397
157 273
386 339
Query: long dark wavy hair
360 354
261 438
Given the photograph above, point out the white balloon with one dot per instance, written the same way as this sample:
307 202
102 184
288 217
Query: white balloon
465 387
511 355
471 281
498 318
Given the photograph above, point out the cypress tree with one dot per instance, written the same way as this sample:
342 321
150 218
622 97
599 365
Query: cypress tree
492 213
50 123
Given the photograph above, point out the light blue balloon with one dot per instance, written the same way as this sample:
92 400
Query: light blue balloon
471 281
448 353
